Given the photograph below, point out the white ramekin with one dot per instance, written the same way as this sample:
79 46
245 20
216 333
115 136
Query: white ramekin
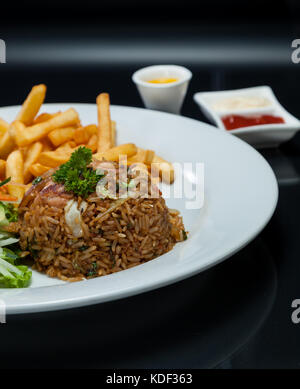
166 97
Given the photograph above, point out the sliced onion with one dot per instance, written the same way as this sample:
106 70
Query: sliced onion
73 218
8 241
83 206
114 206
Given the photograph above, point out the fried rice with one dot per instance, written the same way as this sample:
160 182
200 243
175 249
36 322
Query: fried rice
115 234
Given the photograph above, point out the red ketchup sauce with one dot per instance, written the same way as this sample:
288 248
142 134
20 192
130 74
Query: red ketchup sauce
232 122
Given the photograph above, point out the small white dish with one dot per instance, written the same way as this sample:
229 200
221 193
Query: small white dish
240 196
267 135
167 97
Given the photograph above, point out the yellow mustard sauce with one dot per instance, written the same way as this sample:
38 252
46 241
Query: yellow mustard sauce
163 80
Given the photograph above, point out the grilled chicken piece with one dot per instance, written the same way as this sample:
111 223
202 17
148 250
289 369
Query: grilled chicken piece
47 191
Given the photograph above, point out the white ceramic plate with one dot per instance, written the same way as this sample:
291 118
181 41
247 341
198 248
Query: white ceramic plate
268 135
240 197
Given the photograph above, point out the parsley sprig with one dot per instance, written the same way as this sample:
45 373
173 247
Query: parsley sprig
75 174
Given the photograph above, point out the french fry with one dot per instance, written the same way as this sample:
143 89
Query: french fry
165 168
81 136
47 145
54 158
140 156
3 127
15 126
38 131
61 135
72 144
32 155
37 169
66 147
28 186
104 123
43 117
92 143
32 104
24 151
127 149
32 145
91 129
14 169
2 168
7 144
150 154
113 133
143 156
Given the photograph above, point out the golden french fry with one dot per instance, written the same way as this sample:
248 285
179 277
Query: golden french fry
140 156
32 104
24 151
15 126
81 136
104 123
2 168
3 127
55 158
150 154
165 168
143 156
28 186
61 135
14 169
47 145
72 144
127 149
37 169
7 144
32 155
43 117
38 131
113 133
91 129
66 147
92 143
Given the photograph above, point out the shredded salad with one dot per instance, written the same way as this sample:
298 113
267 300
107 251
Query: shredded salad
12 273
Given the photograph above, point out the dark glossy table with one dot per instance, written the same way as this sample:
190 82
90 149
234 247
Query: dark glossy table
235 315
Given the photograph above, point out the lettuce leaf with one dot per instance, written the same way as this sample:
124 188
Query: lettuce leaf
6 238
8 213
11 274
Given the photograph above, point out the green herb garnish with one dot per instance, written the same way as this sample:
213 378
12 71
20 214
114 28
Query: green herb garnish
37 180
93 271
75 174
5 181
184 234
83 248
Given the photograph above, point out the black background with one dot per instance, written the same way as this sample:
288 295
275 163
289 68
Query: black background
236 315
